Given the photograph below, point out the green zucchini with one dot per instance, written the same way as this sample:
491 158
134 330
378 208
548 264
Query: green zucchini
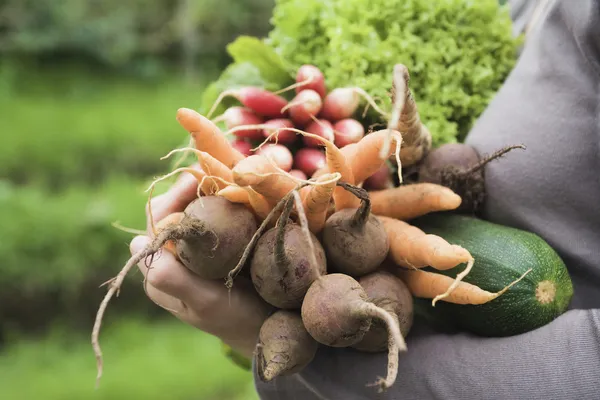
502 254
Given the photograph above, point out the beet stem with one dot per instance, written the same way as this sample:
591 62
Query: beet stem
170 233
263 226
488 159
281 259
362 213
396 342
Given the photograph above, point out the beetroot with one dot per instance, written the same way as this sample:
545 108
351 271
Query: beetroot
337 312
284 346
459 167
389 292
282 267
355 241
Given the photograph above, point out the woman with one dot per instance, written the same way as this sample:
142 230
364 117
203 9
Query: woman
551 103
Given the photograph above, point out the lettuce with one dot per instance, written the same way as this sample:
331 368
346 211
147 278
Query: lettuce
458 52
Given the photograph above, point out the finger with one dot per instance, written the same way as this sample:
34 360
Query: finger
179 195
168 275
163 300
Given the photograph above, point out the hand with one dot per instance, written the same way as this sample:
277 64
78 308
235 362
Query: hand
235 317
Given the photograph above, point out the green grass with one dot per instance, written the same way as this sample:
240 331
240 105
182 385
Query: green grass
143 360
68 126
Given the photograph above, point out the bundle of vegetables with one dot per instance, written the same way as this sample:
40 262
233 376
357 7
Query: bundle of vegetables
339 264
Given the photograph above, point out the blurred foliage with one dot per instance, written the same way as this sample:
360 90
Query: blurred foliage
458 52
56 250
163 359
134 34
67 126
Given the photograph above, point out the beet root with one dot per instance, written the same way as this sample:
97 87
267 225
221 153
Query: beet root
281 267
354 240
389 292
459 167
337 312
284 346
214 250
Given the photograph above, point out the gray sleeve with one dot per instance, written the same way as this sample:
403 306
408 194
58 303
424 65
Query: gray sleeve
551 103
558 361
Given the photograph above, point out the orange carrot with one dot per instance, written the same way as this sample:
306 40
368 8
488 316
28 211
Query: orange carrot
316 202
247 195
208 137
336 162
169 220
410 247
366 159
347 151
259 173
412 201
429 285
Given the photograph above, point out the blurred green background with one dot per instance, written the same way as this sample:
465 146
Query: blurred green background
88 94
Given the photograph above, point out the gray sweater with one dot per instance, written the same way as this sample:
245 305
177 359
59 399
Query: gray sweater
551 103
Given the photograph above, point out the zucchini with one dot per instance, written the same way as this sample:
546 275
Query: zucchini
502 254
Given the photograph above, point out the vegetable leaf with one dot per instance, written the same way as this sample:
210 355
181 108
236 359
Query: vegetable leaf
253 50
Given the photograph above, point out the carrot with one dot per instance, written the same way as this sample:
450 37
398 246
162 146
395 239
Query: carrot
366 159
429 285
410 247
416 138
247 196
170 220
208 137
336 162
265 178
412 201
212 167
348 152
316 203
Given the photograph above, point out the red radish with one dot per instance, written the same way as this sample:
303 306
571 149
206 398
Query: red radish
322 128
296 173
304 106
242 145
348 131
309 160
314 78
340 103
382 179
286 137
278 153
259 100
238 116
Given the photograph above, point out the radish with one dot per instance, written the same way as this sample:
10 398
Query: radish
314 79
280 154
348 131
243 146
309 160
382 179
306 105
339 104
320 127
261 101
284 136
238 116
296 173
